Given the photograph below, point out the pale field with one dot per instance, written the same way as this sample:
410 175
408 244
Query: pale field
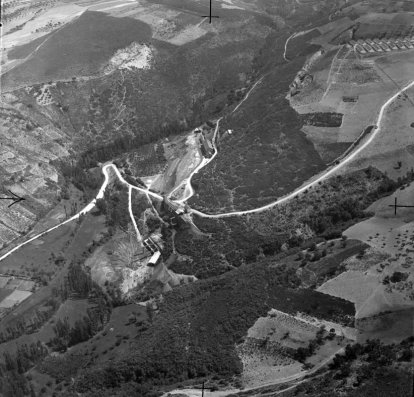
61 14
161 19
347 332
394 141
15 298
392 240
4 281
354 286
262 365
187 35
321 135
369 79
258 371
113 5
277 324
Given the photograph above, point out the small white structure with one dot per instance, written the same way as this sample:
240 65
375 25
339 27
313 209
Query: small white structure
154 258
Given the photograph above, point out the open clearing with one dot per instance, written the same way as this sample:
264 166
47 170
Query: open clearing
382 278
183 156
78 49
357 86
267 350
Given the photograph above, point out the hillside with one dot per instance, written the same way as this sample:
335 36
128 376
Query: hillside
224 205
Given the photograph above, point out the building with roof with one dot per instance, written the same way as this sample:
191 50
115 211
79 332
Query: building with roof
155 259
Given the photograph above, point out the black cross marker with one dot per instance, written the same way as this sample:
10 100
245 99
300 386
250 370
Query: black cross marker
210 16
16 199
395 205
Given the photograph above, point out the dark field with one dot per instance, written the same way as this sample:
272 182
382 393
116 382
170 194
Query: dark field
23 51
4 293
80 48
330 266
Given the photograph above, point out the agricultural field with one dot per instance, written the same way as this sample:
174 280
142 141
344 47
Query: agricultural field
48 264
356 86
13 291
379 281
271 343
132 299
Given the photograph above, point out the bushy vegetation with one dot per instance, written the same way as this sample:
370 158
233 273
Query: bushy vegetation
79 285
369 369
324 211
12 380
198 326
328 119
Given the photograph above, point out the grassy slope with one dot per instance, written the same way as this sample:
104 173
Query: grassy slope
268 155
198 326
326 210
79 48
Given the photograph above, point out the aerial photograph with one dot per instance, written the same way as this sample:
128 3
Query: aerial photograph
207 198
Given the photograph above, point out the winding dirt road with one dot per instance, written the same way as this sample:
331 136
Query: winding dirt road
323 176
190 189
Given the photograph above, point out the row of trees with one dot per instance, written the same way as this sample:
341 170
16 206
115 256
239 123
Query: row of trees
80 285
29 325
12 380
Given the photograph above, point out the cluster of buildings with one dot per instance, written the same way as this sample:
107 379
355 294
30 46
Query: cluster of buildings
365 46
153 248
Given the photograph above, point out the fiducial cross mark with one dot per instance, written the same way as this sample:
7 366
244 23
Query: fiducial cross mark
16 199
210 16
395 205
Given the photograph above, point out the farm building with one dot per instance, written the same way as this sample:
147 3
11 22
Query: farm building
155 259
150 245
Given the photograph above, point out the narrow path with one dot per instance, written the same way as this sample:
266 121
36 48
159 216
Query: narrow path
247 95
293 35
131 214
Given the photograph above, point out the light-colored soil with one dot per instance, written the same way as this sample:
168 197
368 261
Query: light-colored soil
355 286
392 240
259 370
183 155
14 299
277 324
395 143
266 351
371 80
42 23
187 35
135 56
